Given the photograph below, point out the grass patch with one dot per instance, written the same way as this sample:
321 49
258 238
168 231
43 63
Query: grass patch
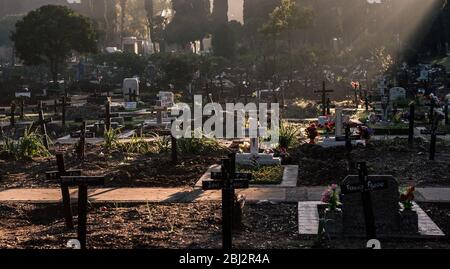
266 174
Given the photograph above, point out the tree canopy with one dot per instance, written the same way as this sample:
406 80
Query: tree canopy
50 34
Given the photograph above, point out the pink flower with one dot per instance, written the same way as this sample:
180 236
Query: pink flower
326 196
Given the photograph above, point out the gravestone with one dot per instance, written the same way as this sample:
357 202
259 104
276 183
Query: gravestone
165 99
397 94
385 204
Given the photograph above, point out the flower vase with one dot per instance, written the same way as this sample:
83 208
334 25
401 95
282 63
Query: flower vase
333 221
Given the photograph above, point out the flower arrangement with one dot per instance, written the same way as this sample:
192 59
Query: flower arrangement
311 133
329 126
331 197
365 132
407 197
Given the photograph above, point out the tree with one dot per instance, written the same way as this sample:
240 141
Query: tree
220 12
190 22
50 34
285 19
223 41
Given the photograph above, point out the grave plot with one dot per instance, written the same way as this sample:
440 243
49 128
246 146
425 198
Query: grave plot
136 163
410 164
368 206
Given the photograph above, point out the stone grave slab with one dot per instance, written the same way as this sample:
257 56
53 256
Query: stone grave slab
308 222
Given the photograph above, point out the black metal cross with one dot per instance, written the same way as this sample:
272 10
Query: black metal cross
56 175
227 181
365 186
324 92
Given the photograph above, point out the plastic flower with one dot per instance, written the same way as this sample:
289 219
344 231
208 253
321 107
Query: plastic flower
407 197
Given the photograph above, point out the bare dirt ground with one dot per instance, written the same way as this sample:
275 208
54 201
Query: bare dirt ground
120 169
410 165
195 225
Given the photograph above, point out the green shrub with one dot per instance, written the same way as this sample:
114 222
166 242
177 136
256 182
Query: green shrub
162 143
289 135
264 174
28 146
198 145
137 144
111 138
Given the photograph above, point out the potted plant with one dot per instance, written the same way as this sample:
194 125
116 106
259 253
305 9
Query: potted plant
311 133
408 216
332 214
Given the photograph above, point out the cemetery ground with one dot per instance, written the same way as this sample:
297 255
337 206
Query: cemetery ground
409 164
121 169
190 225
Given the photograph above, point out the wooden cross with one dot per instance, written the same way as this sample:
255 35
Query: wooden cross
432 106
446 113
412 109
328 106
42 122
82 142
434 132
366 101
324 92
108 114
22 105
12 114
56 175
365 187
227 181
83 182
65 102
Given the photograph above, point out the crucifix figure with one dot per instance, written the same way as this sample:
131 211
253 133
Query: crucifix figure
324 92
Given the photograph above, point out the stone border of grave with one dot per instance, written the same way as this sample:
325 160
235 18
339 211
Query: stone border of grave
308 223
290 177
